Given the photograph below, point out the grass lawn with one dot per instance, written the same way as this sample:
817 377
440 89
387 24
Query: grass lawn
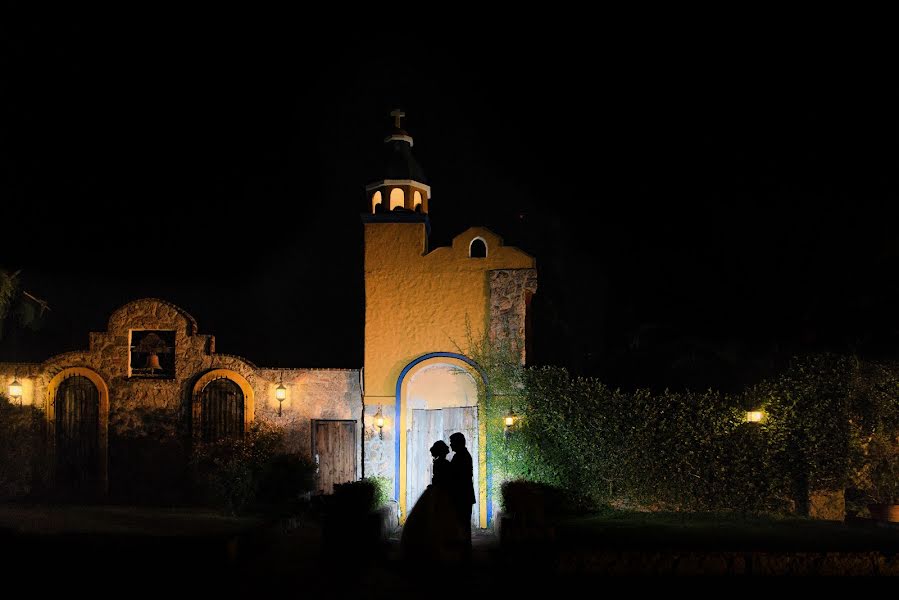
723 532
118 520
79 547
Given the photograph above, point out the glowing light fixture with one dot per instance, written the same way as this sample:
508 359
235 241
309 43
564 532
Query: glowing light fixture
280 393
755 416
379 422
509 421
15 389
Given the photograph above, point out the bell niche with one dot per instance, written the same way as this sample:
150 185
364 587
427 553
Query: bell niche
152 354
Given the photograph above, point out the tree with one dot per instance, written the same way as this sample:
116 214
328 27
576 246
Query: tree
18 304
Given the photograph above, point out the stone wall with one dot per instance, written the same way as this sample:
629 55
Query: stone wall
311 394
380 455
149 420
510 297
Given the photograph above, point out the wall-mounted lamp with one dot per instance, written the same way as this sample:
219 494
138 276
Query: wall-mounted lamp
280 393
755 416
15 389
509 421
379 423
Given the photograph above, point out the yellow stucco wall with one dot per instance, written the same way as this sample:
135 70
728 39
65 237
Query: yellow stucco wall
417 303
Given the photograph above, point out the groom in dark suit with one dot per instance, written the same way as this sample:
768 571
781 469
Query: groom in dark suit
462 490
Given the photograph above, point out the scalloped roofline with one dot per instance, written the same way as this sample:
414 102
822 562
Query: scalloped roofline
492 233
192 322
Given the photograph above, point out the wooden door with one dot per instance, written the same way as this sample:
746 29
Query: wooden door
77 405
334 450
221 411
428 426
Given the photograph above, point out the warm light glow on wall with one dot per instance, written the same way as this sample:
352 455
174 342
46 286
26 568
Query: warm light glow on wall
755 416
441 385
397 198
375 201
416 199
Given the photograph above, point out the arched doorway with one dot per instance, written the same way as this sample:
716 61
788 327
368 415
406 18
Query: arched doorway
223 406
77 423
221 411
437 395
77 437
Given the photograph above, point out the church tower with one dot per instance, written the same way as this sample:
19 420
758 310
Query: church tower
423 308
404 188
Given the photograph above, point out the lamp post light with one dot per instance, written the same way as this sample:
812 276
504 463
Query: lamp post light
280 393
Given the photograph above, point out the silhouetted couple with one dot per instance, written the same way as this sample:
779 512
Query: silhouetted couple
439 525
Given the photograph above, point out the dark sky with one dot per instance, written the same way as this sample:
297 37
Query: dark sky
699 210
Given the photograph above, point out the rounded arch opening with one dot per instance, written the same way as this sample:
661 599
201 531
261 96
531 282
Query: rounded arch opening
397 198
416 377
376 204
477 248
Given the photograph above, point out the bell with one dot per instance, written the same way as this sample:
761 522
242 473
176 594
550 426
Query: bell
153 363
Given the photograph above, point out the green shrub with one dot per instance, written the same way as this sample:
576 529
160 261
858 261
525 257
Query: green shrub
874 437
284 478
228 473
18 450
355 497
383 490
532 501
808 433
693 450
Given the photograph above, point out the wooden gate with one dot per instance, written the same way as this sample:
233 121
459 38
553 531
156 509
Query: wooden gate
221 410
334 451
77 407
428 426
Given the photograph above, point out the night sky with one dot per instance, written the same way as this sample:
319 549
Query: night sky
698 212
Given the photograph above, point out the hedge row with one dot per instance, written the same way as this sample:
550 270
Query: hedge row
829 420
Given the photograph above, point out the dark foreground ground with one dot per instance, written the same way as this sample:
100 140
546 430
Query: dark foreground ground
116 550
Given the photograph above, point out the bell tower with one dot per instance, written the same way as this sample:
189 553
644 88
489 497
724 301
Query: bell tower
421 306
403 187
396 203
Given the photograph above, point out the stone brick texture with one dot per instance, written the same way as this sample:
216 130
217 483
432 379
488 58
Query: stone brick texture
149 419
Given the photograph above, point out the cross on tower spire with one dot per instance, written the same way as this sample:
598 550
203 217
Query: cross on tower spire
397 114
